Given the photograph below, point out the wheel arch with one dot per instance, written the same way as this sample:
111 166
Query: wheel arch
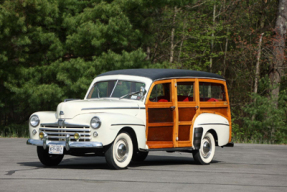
132 134
214 134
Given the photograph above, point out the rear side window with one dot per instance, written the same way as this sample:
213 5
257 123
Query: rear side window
185 91
211 92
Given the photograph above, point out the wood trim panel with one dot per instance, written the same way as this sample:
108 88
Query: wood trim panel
214 104
159 104
185 122
175 113
185 143
159 144
183 133
160 115
160 133
159 124
186 104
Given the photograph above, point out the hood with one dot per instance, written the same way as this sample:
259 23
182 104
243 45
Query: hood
72 108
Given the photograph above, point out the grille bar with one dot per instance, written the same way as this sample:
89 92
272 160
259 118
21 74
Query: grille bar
63 137
67 133
64 129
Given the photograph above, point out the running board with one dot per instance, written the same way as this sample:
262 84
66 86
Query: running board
187 149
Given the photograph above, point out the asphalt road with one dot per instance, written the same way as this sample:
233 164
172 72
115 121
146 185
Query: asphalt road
245 167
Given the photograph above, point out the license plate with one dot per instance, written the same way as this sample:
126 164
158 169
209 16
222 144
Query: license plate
56 149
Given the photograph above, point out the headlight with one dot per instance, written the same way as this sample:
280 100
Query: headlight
95 122
34 120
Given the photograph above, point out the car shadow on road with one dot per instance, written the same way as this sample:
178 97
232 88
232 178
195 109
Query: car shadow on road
100 162
156 160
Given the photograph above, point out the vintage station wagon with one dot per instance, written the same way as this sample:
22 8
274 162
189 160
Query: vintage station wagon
127 113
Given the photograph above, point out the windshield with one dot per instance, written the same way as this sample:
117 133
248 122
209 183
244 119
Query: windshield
117 89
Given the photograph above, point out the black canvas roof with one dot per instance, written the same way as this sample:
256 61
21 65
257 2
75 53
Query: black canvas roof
163 73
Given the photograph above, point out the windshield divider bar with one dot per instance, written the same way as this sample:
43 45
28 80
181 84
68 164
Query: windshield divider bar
114 88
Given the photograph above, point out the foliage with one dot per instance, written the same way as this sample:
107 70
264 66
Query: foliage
51 50
270 122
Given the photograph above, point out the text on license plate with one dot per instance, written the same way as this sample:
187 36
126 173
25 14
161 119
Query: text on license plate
56 149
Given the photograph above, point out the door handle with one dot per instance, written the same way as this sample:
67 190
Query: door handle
196 107
172 108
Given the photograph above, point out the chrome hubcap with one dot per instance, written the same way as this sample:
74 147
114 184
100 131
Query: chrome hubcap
206 148
121 150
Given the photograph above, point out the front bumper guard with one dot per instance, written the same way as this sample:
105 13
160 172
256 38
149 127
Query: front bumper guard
67 143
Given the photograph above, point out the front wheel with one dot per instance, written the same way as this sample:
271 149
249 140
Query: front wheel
120 152
48 159
206 152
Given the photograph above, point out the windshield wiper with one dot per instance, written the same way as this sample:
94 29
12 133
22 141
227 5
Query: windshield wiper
132 93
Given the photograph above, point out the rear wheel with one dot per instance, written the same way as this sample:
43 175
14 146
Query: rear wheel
48 159
206 152
120 152
140 156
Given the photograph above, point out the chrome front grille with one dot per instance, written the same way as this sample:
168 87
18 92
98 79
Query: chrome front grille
59 133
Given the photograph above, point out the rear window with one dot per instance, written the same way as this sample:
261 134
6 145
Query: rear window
211 92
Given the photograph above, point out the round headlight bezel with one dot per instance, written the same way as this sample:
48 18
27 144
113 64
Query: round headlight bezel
33 124
99 123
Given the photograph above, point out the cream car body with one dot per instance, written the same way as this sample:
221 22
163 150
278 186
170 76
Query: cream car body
114 113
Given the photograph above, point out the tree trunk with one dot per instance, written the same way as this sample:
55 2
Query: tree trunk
276 67
212 37
182 40
225 52
148 53
257 70
172 37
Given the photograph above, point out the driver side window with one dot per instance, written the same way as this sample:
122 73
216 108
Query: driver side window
160 93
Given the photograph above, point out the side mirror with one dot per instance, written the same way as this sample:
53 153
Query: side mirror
142 91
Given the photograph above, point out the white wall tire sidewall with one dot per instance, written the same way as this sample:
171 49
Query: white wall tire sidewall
212 142
123 137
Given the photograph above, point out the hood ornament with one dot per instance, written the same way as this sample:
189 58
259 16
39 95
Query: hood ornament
61 113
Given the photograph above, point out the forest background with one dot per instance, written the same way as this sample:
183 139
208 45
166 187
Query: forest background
52 49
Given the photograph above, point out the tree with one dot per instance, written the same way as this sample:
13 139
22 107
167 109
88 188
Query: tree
277 65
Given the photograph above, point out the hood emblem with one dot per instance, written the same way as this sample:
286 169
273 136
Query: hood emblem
61 122
61 113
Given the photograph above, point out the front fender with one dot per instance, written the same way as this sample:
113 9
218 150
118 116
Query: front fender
112 123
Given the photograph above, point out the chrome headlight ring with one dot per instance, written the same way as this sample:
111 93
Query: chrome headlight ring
95 122
34 120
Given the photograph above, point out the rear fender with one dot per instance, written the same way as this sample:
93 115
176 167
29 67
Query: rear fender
213 123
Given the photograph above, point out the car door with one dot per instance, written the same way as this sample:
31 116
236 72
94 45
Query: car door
186 94
161 115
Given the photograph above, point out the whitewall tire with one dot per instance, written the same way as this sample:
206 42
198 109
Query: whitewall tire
207 150
120 152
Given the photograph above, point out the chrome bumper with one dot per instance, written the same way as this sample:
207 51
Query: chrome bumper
68 144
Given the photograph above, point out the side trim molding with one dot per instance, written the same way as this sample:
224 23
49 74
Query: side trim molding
128 124
97 108
214 124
